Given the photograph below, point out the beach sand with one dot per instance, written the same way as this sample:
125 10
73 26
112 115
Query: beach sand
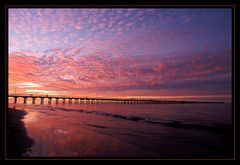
18 142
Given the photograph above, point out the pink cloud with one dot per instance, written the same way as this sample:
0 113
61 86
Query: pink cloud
99 71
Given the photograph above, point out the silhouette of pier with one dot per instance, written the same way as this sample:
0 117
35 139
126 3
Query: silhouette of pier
91 100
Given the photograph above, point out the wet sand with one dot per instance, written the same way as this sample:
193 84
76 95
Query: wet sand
58 133
53 138
18 142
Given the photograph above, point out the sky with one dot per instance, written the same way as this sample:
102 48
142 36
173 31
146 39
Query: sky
148 52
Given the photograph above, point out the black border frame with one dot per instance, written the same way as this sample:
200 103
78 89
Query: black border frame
119 4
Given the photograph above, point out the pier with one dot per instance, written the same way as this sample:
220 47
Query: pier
92 100
77 100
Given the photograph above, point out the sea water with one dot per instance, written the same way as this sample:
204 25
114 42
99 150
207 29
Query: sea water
130 130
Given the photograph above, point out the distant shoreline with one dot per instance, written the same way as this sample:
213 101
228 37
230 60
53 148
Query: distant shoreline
18 143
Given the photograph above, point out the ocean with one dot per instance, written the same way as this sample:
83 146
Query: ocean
110 130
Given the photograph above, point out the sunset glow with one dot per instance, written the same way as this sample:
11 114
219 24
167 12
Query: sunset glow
121 52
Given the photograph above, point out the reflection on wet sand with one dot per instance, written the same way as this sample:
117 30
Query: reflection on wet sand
63 134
